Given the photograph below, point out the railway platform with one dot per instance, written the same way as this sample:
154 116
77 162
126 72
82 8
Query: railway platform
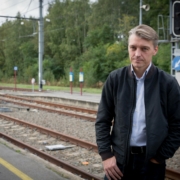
85 100
16 164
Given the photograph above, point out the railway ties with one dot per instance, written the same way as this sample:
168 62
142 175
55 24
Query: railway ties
68 110
170 174
34 140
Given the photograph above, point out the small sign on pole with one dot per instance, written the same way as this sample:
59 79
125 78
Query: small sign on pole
71 79
15 69
176 63
81 77
176 52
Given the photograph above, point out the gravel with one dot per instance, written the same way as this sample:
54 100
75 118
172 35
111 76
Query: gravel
77 128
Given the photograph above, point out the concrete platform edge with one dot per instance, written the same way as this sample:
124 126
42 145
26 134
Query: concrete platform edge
50 166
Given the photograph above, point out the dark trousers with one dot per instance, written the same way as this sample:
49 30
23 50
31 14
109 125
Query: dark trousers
138 169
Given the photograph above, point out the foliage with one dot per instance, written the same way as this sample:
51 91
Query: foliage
80 34
162 59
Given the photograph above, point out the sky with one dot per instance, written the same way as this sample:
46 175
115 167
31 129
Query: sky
25 7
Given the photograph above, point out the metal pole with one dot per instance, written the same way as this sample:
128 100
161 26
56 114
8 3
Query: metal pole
140 12
14 80
41 51
173 44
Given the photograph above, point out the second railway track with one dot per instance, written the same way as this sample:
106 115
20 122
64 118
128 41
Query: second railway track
34 138
82 132
77 112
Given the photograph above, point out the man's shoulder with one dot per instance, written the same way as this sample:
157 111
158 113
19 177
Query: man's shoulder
164 74
119 71
166 78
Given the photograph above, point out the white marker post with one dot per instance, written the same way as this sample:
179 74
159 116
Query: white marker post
81 79
32 82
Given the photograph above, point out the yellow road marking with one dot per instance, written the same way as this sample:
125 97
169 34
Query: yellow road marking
14 170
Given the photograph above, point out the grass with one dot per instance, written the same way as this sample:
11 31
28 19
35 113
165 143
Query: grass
54 88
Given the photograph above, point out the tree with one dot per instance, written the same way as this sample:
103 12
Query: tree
162 59
80 34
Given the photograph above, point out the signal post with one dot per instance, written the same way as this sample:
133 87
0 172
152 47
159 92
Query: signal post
175 38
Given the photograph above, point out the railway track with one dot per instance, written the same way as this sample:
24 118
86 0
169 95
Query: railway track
30 135
52 133
51 159
56 105
77 112
170 174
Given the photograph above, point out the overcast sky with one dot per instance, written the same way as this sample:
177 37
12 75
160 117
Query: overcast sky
25 7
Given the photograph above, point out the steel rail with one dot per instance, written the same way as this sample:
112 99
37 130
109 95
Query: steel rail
52 110
90 111
51 159
172 174
78 142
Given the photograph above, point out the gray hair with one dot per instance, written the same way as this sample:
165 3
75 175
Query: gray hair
145 32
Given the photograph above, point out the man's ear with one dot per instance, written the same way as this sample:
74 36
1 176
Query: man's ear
155 50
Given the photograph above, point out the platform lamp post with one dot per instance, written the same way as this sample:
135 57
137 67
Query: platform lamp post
145 7
140 12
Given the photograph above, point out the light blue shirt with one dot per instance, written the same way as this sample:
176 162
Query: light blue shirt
138 135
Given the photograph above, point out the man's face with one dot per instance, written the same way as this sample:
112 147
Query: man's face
140 52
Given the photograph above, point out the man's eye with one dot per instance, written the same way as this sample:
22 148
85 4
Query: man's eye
133 48
144 49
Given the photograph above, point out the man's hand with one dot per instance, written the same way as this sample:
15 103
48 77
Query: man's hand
154 161
111 169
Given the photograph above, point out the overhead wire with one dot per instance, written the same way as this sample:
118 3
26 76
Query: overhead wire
11 6
36 8
23 13
57 29
14 5
28 6
5 2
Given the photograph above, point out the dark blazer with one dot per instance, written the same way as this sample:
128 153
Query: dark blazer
162 112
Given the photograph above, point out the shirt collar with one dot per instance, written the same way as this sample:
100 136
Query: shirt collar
145 72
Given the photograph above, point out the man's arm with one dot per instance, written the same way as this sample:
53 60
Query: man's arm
172 142
111 169
104 119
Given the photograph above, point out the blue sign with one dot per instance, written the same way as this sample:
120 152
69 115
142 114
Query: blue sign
15 68
81 77
176 63
71 76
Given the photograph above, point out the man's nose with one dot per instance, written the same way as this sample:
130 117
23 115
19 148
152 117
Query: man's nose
138 52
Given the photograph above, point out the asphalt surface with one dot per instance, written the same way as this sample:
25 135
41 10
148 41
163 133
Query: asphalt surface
16 164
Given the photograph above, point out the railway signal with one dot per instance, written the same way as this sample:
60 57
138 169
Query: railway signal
176 18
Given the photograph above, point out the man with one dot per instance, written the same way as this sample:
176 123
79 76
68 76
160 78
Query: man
144 104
